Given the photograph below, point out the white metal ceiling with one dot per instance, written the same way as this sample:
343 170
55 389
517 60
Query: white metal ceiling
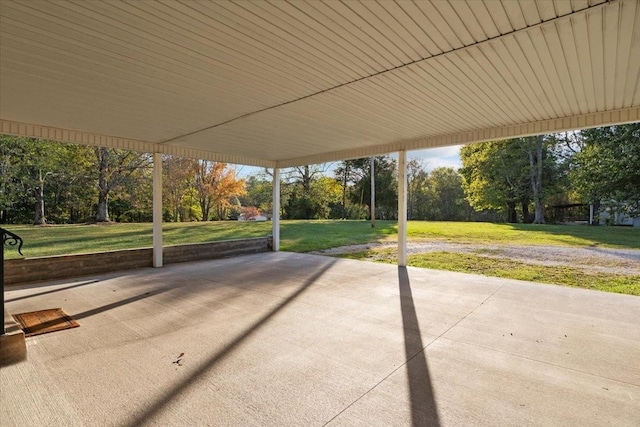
289 83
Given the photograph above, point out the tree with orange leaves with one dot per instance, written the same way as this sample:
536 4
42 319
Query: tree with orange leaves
216 186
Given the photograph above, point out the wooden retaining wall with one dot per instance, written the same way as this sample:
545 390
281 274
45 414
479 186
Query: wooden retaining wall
26 270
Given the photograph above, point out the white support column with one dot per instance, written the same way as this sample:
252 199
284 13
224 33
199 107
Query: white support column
275 218
402 208
157 209
373 192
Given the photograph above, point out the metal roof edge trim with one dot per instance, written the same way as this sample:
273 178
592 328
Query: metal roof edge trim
582 121
9 127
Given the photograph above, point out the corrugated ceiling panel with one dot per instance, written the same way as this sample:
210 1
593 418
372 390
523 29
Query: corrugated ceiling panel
611 73
329 15
514 11
440 29
563 7
470 21
625 53
579 4
499 16
410 31
509 57
560 67
546 9
595 45
454 22
400 41
482 15
632 83
328 37
276 26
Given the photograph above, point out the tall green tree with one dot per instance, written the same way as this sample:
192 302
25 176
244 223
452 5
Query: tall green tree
309 194
421 201
534 149
42 180
448 195
259 193
386 185
11 151
348 173
177 177
606 166
114 169
507 174
495 177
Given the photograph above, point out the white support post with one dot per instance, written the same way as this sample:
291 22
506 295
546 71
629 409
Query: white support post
402 208
275 218
373 192
157 209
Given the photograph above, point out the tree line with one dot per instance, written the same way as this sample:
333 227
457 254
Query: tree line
598 166
516 180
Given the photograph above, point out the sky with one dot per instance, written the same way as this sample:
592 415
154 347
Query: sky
432 158
437 157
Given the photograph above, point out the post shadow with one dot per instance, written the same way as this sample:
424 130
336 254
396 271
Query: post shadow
155 408
424 411
97 310
90 282
119 303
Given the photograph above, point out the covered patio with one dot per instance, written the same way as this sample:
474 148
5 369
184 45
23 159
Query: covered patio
291 339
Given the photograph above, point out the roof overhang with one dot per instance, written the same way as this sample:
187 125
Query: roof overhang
283 84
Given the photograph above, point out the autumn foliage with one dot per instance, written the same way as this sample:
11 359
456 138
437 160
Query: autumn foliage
250 212
200 190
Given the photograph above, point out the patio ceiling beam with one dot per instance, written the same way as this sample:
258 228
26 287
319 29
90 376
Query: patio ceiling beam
583 121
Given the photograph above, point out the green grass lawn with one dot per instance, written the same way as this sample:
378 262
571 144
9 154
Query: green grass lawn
526 234
75 239
305 236
509 269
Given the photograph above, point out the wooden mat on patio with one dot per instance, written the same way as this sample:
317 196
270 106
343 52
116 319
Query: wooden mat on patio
45 321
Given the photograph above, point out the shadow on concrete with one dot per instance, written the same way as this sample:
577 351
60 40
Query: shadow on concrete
424 411
102 308
120 303
53 290
162 403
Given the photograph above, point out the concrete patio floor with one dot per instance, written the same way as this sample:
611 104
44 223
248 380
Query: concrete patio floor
283 339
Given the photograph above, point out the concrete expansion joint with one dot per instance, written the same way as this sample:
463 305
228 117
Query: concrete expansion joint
544 362
464 317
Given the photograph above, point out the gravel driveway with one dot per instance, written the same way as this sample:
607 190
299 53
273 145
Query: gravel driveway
618 261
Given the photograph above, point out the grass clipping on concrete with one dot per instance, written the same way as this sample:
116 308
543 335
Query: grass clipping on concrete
509 269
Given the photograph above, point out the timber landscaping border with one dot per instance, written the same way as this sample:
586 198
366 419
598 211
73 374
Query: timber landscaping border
27 270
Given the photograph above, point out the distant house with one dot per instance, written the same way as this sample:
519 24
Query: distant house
252 218
251 213
612 214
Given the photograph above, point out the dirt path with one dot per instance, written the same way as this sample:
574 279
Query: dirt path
615 261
